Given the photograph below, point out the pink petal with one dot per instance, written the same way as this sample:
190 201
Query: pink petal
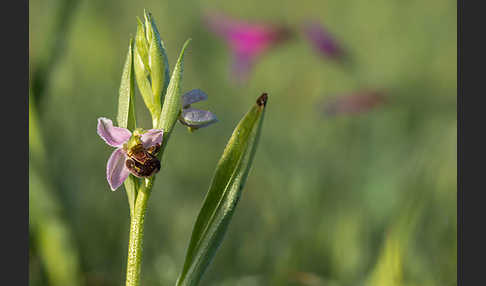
152 137
116 171
113 136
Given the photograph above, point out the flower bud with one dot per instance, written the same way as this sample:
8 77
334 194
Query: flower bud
151 65
192 117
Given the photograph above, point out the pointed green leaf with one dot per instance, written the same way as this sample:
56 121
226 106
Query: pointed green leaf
172 102
126 101
223 195
126 115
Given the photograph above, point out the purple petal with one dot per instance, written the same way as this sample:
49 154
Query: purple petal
116 171
197 118
193 96
113 136
322 40
152 137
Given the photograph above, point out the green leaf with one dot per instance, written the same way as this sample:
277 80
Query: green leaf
126 101
172 102
159 66
126 116
223 195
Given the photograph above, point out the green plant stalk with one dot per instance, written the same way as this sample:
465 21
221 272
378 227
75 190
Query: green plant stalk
135 244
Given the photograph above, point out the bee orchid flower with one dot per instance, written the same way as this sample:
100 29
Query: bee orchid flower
192 117
119 137
247 41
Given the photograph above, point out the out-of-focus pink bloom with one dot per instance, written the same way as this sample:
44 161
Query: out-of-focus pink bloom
354 103
322 40
247 41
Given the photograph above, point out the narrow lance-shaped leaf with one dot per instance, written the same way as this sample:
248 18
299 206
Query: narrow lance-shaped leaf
223 195
126 115
172 102
126 104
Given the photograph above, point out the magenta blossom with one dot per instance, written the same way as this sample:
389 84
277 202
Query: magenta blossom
246 41
322 40
118 137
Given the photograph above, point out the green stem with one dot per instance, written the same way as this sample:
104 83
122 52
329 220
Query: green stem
134 262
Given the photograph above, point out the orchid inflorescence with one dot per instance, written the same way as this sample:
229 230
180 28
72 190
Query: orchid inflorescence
139 151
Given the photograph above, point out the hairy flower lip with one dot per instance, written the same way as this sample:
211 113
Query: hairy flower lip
118 137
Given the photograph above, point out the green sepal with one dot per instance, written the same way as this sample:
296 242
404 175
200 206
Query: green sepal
223 195
148 26
172 101
142 76
142 44
159 66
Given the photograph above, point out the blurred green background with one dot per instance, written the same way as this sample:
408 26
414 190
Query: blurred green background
368 199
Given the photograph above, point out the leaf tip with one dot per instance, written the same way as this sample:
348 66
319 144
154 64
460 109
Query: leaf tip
262 99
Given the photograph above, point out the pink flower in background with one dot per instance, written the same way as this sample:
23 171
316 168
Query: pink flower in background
116 169
354 103
247 41
322 40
